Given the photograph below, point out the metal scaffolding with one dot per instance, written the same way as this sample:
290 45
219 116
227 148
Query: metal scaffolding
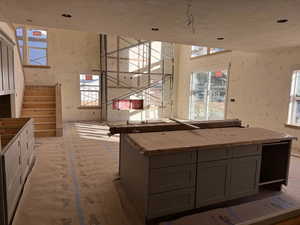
139 68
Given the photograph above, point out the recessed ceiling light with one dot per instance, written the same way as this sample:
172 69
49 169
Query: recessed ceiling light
66 15
220 38
29 20
155 29
282 21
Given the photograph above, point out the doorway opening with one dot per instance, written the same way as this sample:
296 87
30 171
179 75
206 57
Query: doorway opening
5 106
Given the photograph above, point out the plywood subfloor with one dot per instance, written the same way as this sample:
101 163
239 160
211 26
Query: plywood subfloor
73 181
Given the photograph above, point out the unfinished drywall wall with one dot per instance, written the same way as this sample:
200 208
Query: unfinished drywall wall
17 99
70 53
186 66
259 83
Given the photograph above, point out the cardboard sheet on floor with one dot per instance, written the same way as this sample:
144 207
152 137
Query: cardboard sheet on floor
242 213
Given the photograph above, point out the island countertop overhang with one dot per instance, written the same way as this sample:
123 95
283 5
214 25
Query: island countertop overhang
156 143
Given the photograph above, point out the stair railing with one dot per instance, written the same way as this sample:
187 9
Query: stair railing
58 102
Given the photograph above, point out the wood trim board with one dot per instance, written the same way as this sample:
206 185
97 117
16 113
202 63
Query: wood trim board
170 126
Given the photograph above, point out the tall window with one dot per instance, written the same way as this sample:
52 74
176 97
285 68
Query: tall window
208 94
89 90
294 108
33 45
201 50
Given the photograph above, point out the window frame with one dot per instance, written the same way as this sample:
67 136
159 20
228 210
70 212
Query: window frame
98 106
208 52
25 53
293 99
207 93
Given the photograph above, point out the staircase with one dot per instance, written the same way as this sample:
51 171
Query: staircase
41 103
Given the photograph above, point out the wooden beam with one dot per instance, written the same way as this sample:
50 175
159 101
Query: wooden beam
171 126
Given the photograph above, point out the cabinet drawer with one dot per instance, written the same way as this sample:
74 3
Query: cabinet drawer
171 202
212 154
174 159
245 150
172 178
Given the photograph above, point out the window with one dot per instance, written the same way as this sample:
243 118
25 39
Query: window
33 46
89 90
215 50
208 94
201 50
294 108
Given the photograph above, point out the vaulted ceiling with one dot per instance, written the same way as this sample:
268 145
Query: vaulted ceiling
244 24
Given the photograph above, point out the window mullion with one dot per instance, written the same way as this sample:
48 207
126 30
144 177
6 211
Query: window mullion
26 57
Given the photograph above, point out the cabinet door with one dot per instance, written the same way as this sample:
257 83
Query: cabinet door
244 176
13 194
12 161
212 182
24 153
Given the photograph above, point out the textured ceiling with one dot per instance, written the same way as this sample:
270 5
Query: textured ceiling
245 24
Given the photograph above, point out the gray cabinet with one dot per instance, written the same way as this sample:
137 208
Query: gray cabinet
235 177
244 176
168 173
212 182
16 158
171 183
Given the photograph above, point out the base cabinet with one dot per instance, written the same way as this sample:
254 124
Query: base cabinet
16 158
165 184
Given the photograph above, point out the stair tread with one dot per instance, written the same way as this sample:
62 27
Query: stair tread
27 95
38 102
39 86
44 130
43 123
41 116
42 109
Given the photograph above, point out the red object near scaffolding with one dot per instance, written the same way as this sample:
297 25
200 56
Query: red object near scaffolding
127 104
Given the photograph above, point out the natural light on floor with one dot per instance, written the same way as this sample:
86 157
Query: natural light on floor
95 132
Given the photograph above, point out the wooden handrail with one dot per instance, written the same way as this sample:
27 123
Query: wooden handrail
59 124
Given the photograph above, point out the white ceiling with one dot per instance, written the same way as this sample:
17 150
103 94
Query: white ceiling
245 24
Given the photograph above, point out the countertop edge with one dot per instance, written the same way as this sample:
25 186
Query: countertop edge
208 147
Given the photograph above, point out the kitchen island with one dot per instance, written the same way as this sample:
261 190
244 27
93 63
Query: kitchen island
170 172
